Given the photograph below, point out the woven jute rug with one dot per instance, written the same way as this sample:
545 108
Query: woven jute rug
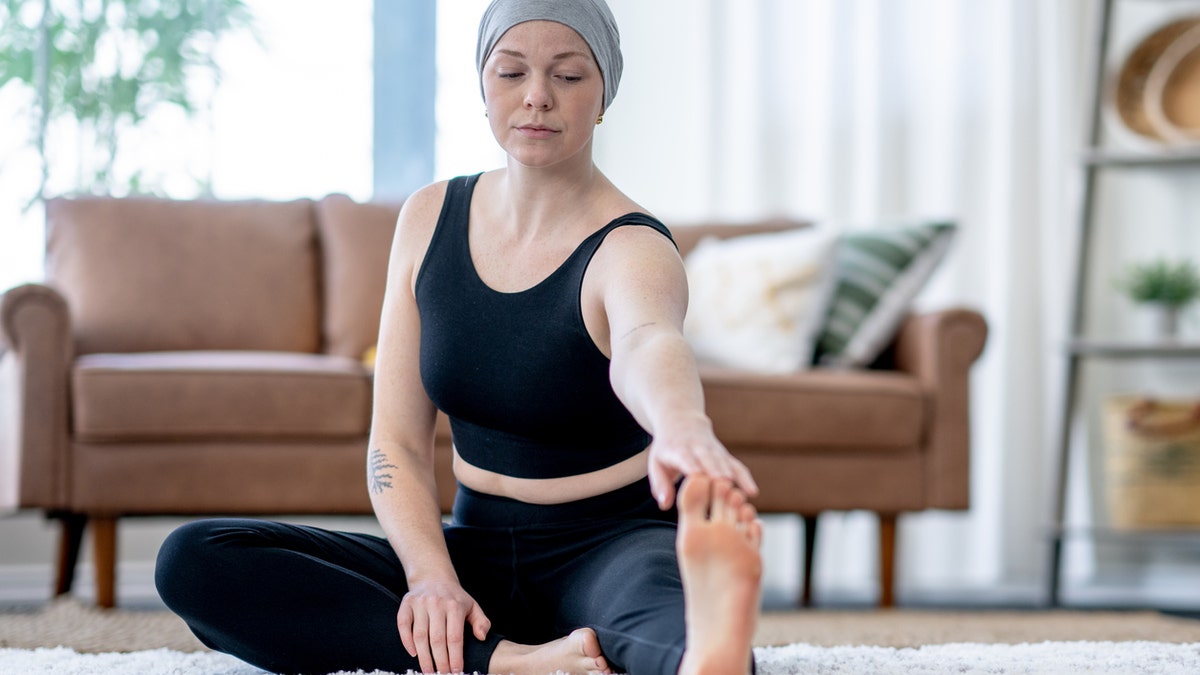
70 623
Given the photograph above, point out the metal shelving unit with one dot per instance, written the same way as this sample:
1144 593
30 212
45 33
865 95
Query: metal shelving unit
1079 348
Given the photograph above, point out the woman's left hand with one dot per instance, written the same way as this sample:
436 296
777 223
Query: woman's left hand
691 447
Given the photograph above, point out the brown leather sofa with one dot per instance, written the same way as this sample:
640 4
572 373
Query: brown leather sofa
201 357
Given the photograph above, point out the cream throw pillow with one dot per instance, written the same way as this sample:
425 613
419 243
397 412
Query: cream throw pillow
757 300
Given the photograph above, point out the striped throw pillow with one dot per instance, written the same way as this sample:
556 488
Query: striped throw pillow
878 276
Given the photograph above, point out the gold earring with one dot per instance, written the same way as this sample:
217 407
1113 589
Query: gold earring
600 119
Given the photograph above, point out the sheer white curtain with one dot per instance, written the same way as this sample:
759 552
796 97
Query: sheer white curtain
854 112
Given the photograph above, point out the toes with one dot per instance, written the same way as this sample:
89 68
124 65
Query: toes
719 509
746 515
754 533
693 498
730 505
589 642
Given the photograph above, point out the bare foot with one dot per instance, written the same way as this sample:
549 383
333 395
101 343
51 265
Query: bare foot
577 654
719 560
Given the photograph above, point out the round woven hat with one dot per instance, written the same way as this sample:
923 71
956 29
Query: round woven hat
1129 89
1173 91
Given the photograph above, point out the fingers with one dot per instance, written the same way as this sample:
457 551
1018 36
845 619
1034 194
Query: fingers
421 638
728 467
404 620
744 480
480 624
453 643
434 630
662 484
437 642
670 461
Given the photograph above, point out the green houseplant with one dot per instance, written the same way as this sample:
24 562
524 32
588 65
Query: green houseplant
1166 286
98 69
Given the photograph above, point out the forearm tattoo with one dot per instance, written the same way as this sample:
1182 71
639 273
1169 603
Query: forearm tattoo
378 476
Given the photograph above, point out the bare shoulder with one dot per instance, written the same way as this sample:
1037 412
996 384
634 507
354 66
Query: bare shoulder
421 210
414 229
640 243
636 260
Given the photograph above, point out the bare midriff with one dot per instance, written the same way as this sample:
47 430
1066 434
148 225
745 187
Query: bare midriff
552 490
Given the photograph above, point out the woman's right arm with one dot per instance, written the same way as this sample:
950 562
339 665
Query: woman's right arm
400 465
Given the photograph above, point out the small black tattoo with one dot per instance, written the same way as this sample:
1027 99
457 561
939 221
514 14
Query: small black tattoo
379 477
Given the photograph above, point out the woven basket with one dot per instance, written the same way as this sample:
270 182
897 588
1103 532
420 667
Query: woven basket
1152 462
1128 88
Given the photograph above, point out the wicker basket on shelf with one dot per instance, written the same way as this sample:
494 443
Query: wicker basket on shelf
1152 462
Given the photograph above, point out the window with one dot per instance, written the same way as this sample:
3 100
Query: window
465 144
292 117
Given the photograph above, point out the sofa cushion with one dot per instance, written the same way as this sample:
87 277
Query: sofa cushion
218 395
688 235
817 410
144 274
355 242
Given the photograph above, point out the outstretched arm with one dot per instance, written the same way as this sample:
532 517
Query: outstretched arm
644 290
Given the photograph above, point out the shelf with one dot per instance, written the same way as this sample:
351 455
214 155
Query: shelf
1143 159
1174 536
1094 158
1129 349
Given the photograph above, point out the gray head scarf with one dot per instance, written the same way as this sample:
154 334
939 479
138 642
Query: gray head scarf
592 19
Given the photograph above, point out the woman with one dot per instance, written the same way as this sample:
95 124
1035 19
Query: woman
541 309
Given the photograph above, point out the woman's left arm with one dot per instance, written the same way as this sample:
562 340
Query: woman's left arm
653 371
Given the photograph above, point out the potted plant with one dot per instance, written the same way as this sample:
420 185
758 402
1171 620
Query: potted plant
1166 287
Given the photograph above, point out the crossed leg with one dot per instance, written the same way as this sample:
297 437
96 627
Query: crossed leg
716 544
578 652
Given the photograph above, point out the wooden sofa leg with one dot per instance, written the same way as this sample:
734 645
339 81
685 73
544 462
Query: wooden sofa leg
810 546
887 559
70 541
104 538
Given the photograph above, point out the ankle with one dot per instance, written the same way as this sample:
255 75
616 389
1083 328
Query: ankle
713 664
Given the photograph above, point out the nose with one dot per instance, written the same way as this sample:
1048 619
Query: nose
537 95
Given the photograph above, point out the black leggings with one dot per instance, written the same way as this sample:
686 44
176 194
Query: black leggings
296 599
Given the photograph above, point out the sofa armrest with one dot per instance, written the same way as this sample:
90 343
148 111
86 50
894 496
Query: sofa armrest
36 328
938 348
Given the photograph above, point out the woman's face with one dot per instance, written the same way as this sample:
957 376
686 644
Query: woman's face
543 92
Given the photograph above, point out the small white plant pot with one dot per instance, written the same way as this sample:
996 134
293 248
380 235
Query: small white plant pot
1162 320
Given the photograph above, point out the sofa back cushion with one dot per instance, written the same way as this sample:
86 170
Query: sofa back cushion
356 240
143 274
688 235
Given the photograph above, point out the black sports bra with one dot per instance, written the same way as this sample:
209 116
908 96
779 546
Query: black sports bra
526 389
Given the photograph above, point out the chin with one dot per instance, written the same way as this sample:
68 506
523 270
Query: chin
541 158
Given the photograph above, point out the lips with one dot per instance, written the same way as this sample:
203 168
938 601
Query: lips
536 131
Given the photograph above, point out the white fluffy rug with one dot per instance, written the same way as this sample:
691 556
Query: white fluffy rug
991 659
